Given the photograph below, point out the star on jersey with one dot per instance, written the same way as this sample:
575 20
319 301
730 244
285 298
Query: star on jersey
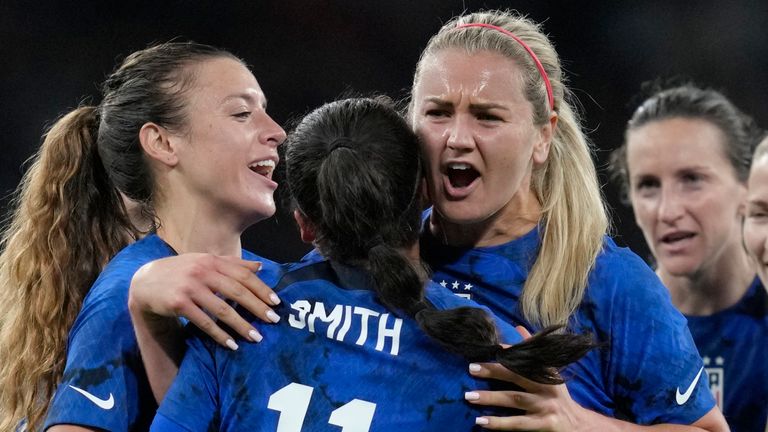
456 285
718 361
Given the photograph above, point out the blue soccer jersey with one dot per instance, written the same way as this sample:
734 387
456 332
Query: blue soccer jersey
734 345
338 360
104 384
648 370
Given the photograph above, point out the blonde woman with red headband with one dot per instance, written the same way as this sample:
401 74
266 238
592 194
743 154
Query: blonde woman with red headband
519 225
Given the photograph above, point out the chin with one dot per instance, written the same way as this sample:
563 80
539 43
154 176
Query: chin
460 214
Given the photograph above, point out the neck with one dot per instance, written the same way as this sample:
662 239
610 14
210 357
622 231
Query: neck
188 226
714 287
518 217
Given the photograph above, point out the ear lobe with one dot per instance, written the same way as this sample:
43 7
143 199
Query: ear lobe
155 141
305 227
547 132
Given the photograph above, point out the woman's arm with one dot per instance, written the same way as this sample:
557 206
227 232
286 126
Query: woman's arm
193 286
551 408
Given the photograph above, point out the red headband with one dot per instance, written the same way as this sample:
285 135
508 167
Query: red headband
528 49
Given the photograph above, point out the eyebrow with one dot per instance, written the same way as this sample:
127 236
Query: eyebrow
248 98
474 106
758 203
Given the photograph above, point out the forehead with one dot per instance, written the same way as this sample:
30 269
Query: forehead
758 177
218 80
482 74
675 143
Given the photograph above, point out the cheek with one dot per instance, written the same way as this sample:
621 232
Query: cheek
644 211
754 238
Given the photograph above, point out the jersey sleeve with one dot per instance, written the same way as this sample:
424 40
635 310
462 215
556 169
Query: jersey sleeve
103 377
443 298
657 373
162 423
191 403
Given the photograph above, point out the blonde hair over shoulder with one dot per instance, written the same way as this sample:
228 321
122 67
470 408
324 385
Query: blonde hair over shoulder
574 217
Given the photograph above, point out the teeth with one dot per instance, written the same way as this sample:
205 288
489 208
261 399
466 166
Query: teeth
459 166
261 163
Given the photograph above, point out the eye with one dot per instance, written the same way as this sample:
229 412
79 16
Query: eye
242 115
488 117
691 177
435 112
647 183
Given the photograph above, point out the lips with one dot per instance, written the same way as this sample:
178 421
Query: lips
263 167
677 236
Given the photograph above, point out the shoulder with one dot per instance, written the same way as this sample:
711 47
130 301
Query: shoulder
270 271
113 282
618 273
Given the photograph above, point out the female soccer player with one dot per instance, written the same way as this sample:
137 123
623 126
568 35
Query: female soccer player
685 165
518 225
362 345
756 221
182 130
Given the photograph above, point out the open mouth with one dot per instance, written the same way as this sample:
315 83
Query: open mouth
263 167
676 237
461 175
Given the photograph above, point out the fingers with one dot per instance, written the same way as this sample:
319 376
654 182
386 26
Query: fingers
523 332
515 423
234 290
204 322
507 399
499 372
242 271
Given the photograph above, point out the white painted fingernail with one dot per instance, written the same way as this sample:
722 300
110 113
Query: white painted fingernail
471 396
256 336
231 344
474 367
275 299
273 316
481 421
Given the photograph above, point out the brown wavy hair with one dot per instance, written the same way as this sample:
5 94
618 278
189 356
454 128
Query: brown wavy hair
70 219
53 250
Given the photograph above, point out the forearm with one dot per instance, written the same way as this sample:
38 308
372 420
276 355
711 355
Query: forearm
713 421
162 346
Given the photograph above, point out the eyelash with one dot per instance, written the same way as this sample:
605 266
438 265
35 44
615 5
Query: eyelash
242 115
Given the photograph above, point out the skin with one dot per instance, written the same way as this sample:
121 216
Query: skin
756 220
689 204
471 109
203 171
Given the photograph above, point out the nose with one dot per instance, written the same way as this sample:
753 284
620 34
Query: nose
670 206
271 133
460 134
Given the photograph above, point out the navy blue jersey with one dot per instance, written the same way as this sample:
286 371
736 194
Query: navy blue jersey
338 360
734 345
104 384
649 370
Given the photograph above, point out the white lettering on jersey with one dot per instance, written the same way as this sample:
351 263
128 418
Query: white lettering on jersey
339 321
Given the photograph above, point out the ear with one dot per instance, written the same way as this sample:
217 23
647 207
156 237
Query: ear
305 227
546 133
156 143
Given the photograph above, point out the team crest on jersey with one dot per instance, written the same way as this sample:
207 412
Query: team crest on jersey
461 289
716 375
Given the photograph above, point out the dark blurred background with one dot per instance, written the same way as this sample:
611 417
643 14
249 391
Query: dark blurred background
306 52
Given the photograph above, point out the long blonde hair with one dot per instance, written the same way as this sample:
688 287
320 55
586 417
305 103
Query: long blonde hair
574 218
52 251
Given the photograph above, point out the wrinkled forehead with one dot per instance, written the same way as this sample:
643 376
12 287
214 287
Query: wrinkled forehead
483 74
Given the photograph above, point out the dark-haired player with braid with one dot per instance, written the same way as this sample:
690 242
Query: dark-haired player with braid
365 342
